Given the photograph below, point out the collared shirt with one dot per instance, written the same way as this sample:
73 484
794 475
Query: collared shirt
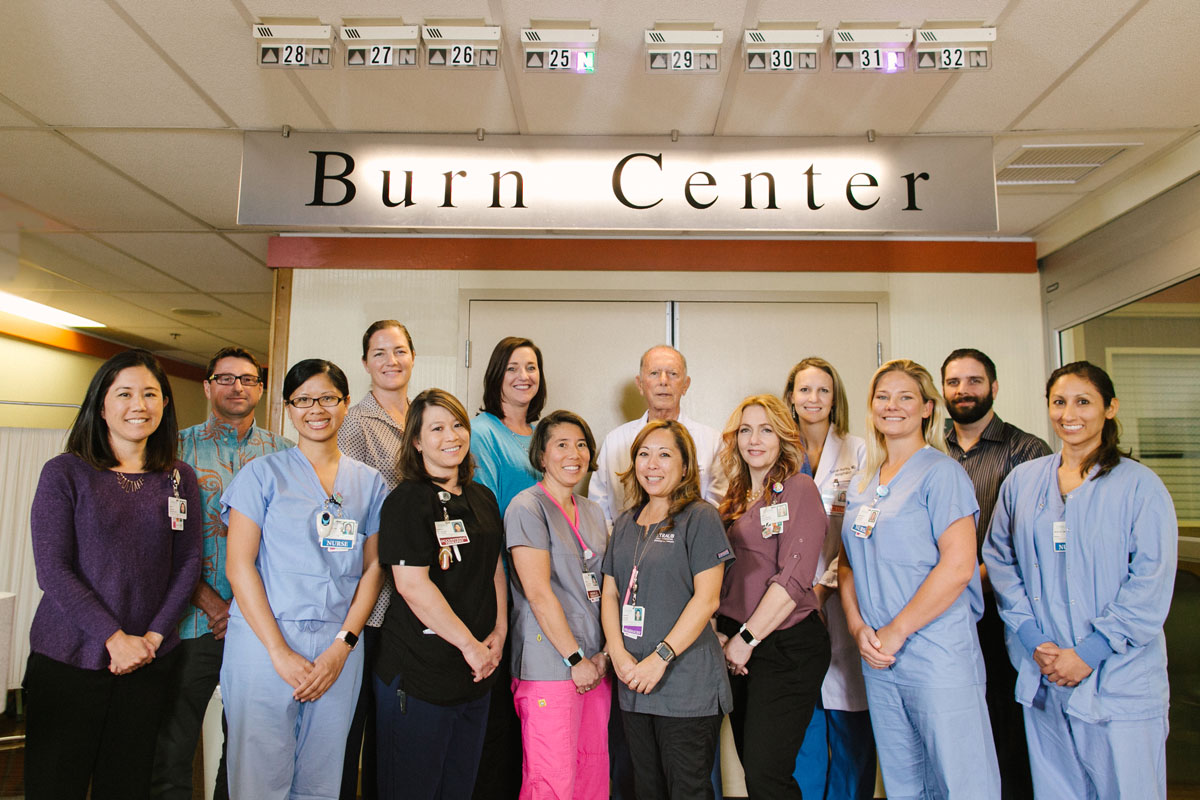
214 451
1001 447
605 487
370 435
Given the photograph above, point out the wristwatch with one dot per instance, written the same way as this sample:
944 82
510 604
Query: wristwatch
351 639
665 652
574 658
748 637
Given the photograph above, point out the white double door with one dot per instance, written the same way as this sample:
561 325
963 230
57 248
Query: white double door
591 350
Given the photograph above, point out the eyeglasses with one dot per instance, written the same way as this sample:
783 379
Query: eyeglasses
325 400
228 378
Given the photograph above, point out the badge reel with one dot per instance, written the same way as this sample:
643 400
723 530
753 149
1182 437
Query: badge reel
336 533
633 616
864 523
772 516
176 505
450 534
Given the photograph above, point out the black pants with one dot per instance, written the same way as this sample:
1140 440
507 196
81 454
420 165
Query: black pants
362 738
85 726
196 674
672 756
1008 719
773 704
499 776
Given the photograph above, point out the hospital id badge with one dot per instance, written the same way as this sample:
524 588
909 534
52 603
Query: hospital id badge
633 621
1060 537
864 523
839 502
772 514
451 532
177 511
592 586
340 535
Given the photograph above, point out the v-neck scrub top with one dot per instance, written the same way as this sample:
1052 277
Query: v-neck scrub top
283 496
695 683
929 493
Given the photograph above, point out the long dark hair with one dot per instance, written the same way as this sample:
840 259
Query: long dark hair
1108 454
411 465
88 438
493 378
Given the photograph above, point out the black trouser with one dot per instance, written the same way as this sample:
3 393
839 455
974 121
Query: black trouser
1008 718
362 739
499 776
773 704
89 726
672 756
196 674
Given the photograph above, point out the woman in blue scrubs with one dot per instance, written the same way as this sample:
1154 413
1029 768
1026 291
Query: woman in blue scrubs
304 569
1082 552
910 590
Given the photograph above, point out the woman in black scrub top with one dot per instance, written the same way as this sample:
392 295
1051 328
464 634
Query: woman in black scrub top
662 583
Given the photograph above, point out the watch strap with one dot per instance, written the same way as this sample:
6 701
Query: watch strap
574 658
351 639
748 637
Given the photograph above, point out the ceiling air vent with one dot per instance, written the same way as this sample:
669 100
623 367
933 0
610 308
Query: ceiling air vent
1057 164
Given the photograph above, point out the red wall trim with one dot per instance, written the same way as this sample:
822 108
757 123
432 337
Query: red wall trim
76 342
702 255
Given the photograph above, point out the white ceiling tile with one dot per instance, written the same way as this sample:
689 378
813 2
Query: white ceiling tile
1109 90
253 243
20 217
11 116
199 171
1034 45
1021 213
256 304
204 261
92 263
229 316
201 344
27 278
112 311
73 63
44 171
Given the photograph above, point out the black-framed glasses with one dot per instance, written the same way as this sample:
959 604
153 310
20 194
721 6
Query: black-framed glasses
325 401
228 378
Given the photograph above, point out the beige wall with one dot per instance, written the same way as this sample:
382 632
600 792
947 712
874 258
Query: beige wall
49 375
928 315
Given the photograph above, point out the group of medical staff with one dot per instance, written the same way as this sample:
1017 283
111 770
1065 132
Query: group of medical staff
430 596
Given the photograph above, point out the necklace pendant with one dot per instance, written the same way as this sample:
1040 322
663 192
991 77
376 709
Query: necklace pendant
129 486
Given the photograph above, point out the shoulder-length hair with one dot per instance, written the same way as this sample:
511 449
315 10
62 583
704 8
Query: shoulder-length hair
1108 453
933 427
839 413
791 453
88 438
688 490
493 378
541 438
411 465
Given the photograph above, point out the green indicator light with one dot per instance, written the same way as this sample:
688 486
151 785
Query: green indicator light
585 61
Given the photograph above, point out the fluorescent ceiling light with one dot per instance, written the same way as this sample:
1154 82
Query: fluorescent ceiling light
20 307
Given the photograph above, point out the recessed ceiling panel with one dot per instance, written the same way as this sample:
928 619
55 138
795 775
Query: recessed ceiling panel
196 170
1157 46
42 170
256 304
189 308
204 261
92 263
72 63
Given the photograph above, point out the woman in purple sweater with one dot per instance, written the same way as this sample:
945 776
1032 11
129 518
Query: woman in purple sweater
116 541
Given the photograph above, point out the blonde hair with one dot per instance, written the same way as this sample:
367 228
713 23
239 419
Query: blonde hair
688 490
933 427
791 452
839 413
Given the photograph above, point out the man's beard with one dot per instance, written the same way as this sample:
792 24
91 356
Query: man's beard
972 413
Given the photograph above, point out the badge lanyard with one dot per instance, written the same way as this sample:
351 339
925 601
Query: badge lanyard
590 584
633 616
773 514
176 505
864 523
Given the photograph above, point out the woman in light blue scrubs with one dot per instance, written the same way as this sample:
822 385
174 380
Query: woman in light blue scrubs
1082 552
910 590
303 564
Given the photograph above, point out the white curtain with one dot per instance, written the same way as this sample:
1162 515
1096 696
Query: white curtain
23 451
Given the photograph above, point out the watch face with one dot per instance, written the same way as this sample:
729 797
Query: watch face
664 651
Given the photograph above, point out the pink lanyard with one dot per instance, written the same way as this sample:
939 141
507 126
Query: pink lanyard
587 551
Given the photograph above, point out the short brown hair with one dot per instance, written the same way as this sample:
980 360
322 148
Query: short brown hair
232 352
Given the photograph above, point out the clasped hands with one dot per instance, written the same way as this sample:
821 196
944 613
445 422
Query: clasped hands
127 653
1061 665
